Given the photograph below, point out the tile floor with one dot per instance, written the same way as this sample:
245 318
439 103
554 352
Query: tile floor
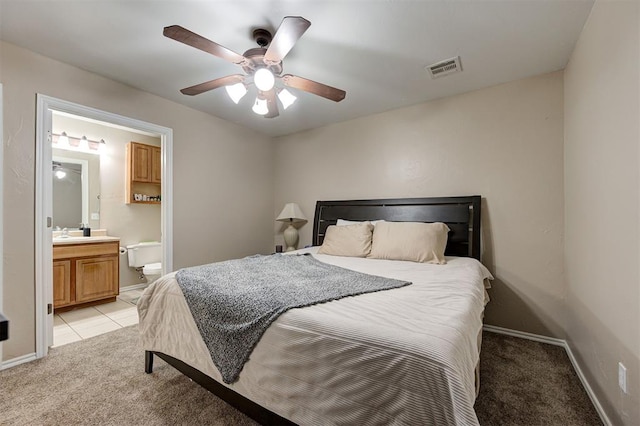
78 324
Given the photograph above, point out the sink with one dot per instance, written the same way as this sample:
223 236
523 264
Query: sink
75 236
70 239
80 239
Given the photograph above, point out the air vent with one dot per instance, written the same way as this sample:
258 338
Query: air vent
446 67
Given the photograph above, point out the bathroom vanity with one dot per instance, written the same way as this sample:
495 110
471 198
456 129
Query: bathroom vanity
85 271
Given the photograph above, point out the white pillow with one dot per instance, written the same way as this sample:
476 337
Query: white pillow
348 240
344 222
412 241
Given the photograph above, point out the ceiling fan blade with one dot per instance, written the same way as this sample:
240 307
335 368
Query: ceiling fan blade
272 105
213 84
314 87
290 30
185 36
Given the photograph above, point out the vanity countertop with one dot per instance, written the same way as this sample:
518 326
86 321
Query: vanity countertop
58 241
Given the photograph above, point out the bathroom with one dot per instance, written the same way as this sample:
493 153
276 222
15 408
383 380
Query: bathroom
102 204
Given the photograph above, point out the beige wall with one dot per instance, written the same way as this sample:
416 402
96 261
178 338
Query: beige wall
132 223
504 143
602 214
223 176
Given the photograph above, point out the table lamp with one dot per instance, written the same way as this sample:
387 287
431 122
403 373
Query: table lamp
291 213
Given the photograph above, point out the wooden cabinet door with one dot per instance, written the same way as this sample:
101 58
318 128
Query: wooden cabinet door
156 165
141 158
61 283
97 278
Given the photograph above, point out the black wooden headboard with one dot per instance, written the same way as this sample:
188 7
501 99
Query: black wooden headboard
461 214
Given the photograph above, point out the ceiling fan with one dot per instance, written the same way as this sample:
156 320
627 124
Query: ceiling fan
262 65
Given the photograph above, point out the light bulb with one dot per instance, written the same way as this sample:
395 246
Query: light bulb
236 91
264 79
60 174
260 107
63 139
286 97
84 142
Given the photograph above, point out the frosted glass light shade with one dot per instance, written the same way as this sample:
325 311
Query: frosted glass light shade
286 97
96 146
63 139
84 142
264 79
260 107
236 91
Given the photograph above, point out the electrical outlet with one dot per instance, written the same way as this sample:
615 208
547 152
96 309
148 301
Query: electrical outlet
622 377
95 216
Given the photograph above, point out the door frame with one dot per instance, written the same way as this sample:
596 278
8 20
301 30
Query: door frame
44 207
1 209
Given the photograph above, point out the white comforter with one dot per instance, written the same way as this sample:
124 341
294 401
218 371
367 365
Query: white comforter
402 356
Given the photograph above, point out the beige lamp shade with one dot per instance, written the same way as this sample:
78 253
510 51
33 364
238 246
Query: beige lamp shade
291 213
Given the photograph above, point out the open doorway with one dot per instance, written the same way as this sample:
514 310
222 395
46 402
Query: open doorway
100 208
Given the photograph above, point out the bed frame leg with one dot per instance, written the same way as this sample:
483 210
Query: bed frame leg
148 362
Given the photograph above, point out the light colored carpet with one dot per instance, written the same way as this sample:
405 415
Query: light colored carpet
101 381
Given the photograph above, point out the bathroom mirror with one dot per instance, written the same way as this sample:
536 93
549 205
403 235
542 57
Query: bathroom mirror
76 185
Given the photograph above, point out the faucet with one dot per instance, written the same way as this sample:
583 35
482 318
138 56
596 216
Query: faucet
65 232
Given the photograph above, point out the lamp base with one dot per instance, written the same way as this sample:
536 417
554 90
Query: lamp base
291 238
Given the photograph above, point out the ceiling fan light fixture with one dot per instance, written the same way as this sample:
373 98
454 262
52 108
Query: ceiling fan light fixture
262 66
236 91
264 79
286 97
58 172
260 106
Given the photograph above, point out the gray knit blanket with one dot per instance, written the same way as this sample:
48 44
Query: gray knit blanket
234 302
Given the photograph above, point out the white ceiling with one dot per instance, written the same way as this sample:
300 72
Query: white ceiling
375 50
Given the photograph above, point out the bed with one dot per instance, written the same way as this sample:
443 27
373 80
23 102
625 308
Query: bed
404 356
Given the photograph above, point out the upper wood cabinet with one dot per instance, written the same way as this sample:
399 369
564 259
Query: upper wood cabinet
145 162
144 168
156 164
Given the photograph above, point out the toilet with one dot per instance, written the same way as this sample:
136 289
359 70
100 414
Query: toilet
146 257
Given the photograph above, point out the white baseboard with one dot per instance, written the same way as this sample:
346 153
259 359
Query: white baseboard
525 335
17 361
557 342
134 287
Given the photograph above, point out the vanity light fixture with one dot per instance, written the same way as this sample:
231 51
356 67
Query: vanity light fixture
72 143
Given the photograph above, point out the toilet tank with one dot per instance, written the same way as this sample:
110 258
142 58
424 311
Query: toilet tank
144 253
